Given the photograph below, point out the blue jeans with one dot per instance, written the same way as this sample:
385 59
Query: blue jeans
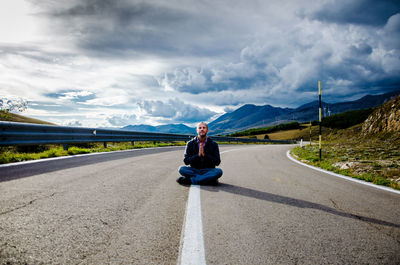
200 176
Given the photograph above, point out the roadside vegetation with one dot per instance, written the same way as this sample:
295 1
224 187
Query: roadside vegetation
374 159
12 154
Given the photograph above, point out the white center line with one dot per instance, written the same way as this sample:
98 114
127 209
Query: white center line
192 246
192 242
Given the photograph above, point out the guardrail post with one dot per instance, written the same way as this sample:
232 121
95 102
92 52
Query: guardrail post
65 147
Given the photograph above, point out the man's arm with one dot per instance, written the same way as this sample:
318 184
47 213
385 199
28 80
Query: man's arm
189 156
214 155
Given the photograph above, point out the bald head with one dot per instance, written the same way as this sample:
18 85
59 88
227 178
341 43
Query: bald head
202 123
202 130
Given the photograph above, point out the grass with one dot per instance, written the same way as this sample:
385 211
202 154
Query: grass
375 158
275 128
296 134
24 153
9 116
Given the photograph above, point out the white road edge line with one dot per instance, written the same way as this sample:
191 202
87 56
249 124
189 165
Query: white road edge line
342 176
192 242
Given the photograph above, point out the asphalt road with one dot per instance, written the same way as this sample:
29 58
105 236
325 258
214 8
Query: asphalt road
126 208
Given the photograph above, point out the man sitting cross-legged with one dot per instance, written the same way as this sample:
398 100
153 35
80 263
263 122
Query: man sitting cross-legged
202 154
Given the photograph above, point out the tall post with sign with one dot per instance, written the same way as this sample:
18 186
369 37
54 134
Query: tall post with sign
320 121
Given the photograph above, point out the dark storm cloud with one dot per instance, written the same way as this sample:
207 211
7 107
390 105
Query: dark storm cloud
115 28
220 77
391 32
366 12
361 59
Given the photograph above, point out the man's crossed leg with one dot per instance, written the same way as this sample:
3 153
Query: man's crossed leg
205 176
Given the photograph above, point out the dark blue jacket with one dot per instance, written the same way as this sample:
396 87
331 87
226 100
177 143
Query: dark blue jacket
211 158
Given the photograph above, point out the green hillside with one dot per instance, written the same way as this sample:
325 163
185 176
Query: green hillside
346 119
259 131
19 118
297 131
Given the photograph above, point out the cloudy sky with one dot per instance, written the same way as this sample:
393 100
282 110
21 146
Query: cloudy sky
110 63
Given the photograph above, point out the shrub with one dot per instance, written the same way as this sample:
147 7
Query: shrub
381 181
346 119
32 148
86 145
75 151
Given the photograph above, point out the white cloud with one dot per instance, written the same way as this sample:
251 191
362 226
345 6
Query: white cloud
121 120
175 110
188 78
73 123
113 62
74 95
17 22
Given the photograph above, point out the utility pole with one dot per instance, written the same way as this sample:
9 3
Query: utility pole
320 121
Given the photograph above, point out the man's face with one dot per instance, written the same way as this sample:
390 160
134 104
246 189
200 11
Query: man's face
202 130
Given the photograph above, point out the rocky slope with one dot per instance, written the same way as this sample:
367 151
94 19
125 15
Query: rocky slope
384 119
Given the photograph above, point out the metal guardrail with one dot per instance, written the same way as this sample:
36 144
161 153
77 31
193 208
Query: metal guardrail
14 133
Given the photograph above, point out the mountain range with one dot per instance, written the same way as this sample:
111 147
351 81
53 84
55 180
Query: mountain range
168 128
252 116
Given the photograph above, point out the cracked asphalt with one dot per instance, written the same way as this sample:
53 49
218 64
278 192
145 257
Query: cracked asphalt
126 208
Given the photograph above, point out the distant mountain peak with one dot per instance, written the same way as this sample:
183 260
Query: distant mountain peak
177 128
252 116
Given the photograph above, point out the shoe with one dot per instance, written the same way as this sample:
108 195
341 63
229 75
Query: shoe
213 182
183 180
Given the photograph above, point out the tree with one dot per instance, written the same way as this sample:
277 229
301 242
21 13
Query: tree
8 105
